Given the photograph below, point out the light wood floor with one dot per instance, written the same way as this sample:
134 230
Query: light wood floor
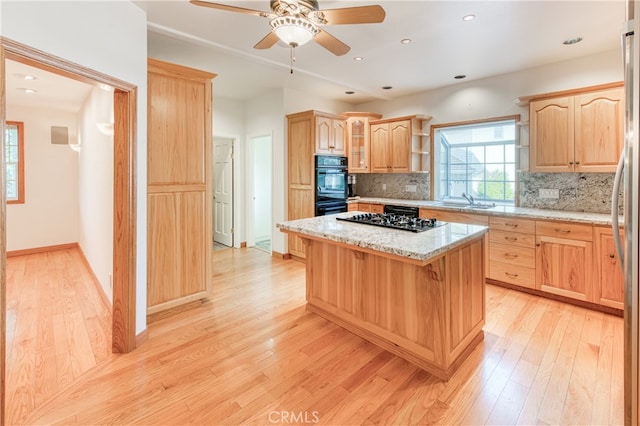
253 355
58 327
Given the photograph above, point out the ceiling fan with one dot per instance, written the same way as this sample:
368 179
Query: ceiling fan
297 22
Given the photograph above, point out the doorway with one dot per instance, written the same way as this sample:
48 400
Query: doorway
223 191
124 184
261 147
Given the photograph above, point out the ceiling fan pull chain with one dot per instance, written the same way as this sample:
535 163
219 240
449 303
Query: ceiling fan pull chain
293 56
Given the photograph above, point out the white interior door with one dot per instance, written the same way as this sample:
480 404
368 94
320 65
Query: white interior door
223 191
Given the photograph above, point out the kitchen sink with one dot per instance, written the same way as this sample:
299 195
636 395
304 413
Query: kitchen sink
464 205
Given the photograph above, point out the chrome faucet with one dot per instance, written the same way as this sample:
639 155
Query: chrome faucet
469 198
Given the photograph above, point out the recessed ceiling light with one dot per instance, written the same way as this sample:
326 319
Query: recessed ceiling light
358 58
27 90
572 40
469 17
405 41
460 76
349 92
386 87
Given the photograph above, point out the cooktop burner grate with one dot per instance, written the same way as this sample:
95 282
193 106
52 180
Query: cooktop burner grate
394 221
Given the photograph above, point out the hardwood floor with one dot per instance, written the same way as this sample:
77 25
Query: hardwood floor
58 327
252 354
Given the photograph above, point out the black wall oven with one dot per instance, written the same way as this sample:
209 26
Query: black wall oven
331 185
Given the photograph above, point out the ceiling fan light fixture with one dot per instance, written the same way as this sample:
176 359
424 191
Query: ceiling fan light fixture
294 31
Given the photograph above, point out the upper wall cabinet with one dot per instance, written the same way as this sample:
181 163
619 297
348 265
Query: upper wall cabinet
358 140
578 132
331 134
399 145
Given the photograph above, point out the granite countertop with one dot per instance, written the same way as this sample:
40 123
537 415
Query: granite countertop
503 211
420 246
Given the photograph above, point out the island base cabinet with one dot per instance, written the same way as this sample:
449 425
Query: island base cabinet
431 315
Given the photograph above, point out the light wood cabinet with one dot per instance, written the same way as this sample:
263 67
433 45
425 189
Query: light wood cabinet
179 185
309 133
371 208
564 256
358 140
581 132
331 135
609 278
391 146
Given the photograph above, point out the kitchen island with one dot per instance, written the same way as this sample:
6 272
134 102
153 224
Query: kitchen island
417 295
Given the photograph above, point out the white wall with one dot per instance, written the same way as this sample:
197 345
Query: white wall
262 178
49 215
493 97
95 194
109 37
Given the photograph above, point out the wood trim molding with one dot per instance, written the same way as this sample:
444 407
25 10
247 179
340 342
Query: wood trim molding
96 282
3 247
44 249
20 126
525 100
124 214
37 58
142 337
278 255
124 226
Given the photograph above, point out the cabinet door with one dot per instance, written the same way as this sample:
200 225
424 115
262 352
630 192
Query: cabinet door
380 151
338 145
400 141
300 206
552 135
563 267
358 145
610 280
301 152
599 132
324 135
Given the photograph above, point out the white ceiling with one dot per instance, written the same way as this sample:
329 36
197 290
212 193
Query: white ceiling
505 36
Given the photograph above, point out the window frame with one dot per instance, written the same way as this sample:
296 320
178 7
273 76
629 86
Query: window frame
436 159
20 126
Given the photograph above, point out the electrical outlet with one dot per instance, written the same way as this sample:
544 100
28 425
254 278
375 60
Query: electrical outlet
410 188
384 186
549 193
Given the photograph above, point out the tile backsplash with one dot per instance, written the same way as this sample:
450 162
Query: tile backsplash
585 192
371 185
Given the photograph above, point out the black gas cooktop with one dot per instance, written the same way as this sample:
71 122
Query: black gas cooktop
394 221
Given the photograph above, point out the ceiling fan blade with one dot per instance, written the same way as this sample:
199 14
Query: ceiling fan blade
331 43
353 15
230 8
268 41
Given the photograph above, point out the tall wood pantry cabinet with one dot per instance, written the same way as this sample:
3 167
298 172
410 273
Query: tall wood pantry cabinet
309 133
179 185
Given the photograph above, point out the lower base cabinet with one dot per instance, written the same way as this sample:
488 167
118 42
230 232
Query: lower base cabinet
564 254
610 288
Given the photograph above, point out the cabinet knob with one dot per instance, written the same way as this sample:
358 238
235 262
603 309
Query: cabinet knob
563 231
537 244
612 256
570 162
577 162
510 275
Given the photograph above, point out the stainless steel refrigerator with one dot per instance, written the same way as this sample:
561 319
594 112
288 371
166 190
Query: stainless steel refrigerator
628 175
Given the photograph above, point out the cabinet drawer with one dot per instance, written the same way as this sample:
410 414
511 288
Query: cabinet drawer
518 256
512 238
514 225
510 273
571 231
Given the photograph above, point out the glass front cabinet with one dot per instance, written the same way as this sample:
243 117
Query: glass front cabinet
358 149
